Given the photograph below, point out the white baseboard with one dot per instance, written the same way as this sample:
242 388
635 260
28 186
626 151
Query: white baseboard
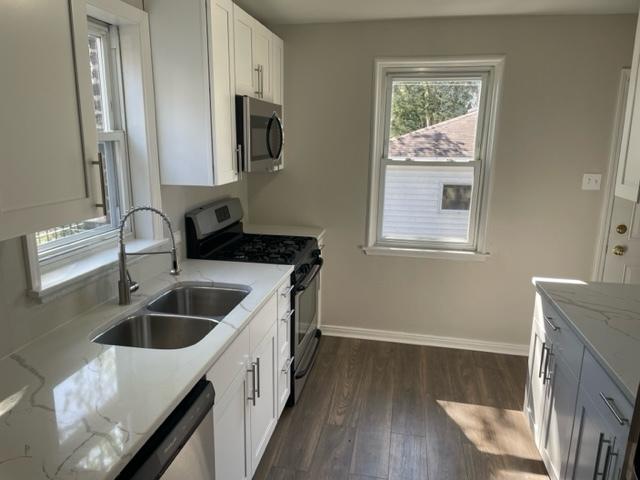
421 339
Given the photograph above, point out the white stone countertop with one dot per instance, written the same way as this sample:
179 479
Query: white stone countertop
73 409
606 317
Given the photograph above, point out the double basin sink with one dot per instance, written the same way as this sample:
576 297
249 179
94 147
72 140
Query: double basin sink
177 318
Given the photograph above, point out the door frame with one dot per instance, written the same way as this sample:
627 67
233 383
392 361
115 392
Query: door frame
612 170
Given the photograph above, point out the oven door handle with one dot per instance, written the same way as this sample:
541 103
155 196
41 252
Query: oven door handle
312 275
312 360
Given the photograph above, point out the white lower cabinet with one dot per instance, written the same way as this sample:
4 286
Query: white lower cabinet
248 403
263 409
231 430
560 401
578 416
596 451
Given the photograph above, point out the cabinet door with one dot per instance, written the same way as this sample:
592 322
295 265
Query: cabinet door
243 41
560 395
264 413
222 77
277 70
230 420
262 40
535 395
48 137
628 176
595 452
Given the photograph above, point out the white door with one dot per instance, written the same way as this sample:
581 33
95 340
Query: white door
595 450
230 419
277 70
243 42
48 139
223 87
536 373
622 257
262 39
562 390
264 413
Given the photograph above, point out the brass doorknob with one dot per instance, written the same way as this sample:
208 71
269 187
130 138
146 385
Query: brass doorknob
621 229
619 250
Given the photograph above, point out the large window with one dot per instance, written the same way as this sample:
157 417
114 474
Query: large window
433 134
106 81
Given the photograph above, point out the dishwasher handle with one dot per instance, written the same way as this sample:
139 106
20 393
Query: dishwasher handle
161 449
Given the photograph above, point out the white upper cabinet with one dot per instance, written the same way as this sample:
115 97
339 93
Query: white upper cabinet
628 176
48 140
277 70
193 58
253 50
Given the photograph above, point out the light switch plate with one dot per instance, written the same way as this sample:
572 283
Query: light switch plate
591 181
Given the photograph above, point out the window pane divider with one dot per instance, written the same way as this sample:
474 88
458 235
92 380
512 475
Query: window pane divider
429 163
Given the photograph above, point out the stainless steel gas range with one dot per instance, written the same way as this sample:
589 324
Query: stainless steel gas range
215 232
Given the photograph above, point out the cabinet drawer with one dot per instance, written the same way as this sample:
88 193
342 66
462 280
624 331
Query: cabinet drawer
564 342
263 321
606 394
230 362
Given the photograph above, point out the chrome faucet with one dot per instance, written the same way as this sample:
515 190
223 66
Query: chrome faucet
126 286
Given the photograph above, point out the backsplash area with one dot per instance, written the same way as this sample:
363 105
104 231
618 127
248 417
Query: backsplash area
23 319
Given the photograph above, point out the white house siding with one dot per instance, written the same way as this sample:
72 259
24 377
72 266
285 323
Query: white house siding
412 200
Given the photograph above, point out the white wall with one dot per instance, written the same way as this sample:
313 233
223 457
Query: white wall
555 123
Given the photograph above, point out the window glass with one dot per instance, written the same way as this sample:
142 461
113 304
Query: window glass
413 196
434 119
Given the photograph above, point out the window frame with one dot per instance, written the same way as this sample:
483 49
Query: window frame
76 269
65 249
487 68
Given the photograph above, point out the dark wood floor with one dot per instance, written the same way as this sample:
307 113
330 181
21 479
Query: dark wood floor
377 410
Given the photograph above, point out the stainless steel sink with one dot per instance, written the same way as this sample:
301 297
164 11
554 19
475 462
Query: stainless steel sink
147 330
196 300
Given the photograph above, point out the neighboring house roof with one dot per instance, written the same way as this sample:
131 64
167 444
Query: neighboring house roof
452 138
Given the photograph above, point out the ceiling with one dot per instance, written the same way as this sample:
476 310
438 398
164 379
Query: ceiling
326 11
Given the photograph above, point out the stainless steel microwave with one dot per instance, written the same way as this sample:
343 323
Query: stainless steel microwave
260 134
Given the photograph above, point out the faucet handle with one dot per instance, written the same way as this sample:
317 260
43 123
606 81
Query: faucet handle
133 286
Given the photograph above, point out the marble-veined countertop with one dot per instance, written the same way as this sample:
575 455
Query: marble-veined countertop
606 317
73 409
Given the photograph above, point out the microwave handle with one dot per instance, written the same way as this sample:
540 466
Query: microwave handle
273 121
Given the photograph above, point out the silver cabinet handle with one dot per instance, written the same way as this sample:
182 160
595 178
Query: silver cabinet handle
607 461
287 365
261 82
542 355
257 70
596 469
547 374
287 316
252 397
287 291
258 375
103 189
553 326
613 408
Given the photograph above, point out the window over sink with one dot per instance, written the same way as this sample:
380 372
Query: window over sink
106 83
431 155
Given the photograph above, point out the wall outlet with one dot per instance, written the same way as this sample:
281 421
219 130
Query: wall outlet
591 181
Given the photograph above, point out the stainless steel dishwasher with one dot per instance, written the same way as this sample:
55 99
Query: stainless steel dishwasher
182 447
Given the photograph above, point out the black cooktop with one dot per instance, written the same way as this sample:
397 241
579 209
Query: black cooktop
277 249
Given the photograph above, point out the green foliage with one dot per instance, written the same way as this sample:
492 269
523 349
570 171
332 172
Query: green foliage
420 104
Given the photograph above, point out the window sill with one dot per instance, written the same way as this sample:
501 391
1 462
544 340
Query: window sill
426 253
73 275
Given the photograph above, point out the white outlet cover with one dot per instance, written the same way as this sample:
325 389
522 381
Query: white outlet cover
591 181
